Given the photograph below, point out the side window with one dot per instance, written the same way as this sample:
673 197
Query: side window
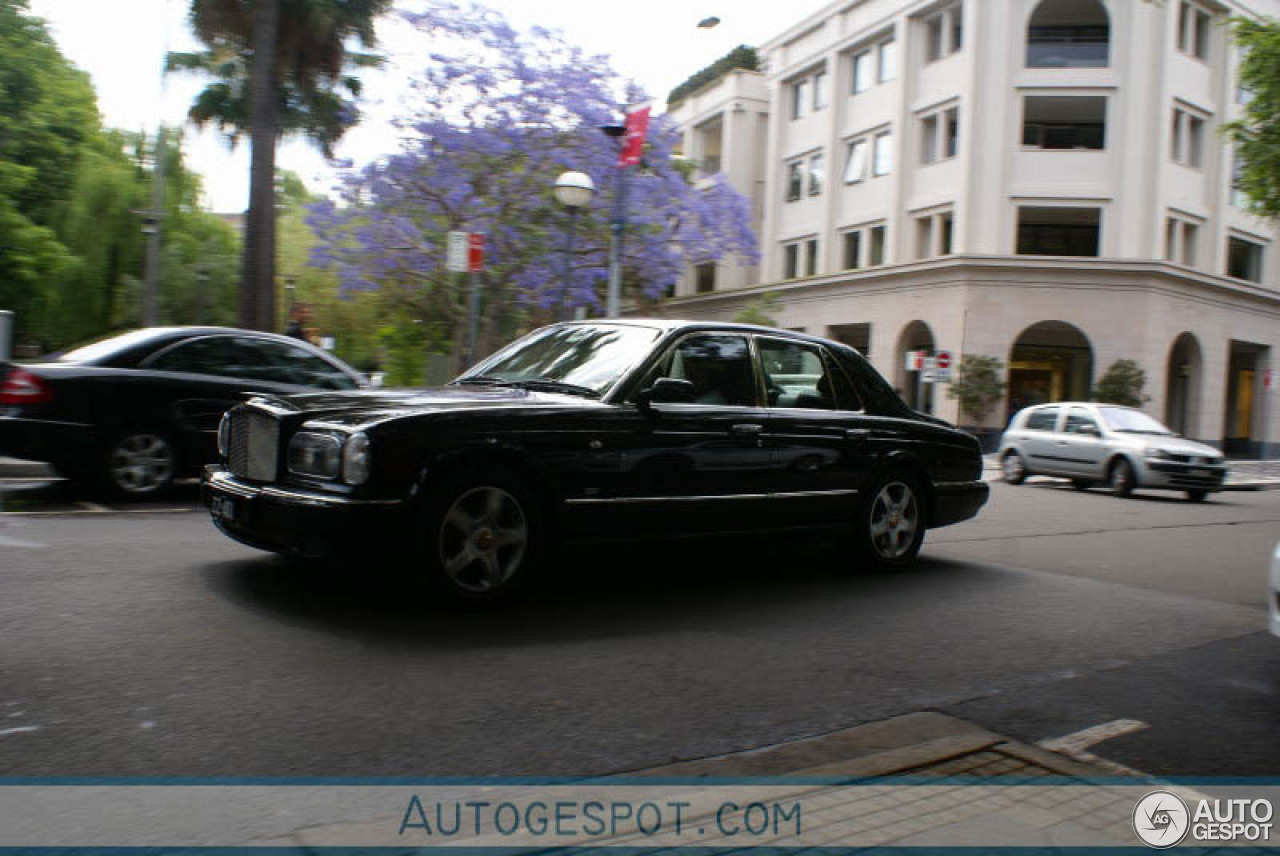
281 363
718 366
797 375
1079 421
212 355
1043 419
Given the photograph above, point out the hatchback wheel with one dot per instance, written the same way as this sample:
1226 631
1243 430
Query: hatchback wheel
484 538
1121 480
140 463
892 524
1014 468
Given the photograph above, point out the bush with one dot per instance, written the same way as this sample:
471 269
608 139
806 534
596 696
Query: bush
1122 383
759 311
977 385
742 56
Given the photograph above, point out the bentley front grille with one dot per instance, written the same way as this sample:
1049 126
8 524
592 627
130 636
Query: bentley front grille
254 446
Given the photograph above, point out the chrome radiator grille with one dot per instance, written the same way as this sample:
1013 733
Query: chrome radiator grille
254 446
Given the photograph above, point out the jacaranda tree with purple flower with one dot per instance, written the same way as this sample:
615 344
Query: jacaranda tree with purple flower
497 115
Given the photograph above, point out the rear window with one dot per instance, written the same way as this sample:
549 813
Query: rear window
1043 419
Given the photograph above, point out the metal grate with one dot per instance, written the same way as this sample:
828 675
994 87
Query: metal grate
255 441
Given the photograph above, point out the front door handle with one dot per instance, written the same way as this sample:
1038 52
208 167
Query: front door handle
858 435
747 429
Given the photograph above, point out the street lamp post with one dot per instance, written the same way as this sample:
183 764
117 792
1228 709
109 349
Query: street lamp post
613 302
573 191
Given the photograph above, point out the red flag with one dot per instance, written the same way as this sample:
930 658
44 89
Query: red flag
637 126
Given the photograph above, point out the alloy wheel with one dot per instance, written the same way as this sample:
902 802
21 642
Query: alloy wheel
141 463
895 520
483 539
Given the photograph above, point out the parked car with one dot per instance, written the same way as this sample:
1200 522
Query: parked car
1273 599
597 431
1121 447
132 412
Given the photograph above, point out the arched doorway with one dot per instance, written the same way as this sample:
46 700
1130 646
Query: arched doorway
1049 361
916 336
1182 386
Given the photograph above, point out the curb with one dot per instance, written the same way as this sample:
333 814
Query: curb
875 749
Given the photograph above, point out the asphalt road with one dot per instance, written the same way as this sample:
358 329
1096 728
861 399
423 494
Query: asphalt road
147 644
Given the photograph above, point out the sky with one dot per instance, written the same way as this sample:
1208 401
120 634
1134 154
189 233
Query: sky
122 43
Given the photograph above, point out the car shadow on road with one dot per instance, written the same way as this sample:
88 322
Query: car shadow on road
1173 497
621 592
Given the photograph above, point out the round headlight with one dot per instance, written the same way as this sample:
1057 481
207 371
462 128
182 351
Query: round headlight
356 460
315 455
224 434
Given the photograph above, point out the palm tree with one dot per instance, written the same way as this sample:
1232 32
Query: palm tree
279 67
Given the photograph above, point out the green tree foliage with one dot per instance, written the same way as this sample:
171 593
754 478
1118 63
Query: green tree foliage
760 311
47 113
1257 133
279 67
743 56
1122 383
977 385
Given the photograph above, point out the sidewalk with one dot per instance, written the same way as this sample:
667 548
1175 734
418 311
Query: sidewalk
919 780
1241 475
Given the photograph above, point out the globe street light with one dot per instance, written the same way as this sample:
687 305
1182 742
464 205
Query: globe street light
574 191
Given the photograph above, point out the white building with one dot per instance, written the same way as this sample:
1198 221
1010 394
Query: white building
1041 181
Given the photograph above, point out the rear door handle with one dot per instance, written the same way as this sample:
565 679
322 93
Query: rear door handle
857 435
747 429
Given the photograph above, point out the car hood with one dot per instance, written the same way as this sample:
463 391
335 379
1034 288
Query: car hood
360 408
1176 446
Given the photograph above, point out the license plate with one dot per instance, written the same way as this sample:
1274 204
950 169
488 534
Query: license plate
223 508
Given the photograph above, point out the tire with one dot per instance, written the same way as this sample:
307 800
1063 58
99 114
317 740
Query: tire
138 463
1197 495
1120 478
1081 484
892 521
484 537
1014 468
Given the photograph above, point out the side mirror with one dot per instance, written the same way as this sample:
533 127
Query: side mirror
666 389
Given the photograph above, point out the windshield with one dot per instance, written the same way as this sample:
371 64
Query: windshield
1131 421
591 356
104 347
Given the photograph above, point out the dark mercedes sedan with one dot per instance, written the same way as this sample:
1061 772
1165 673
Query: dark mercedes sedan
597 431
132 412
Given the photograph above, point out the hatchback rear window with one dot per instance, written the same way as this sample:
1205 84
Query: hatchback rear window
1042 420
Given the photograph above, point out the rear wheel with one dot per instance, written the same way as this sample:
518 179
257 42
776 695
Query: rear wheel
891 522
1121 478
1014 468
483 539
139 463
1197 495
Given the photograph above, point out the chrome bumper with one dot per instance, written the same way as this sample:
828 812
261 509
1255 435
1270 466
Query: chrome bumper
218 479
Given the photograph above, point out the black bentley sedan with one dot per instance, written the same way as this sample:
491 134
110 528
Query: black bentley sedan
131 412
597 431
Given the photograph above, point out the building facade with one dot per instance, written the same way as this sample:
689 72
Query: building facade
1041 181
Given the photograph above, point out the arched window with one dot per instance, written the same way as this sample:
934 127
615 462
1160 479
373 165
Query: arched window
1069 34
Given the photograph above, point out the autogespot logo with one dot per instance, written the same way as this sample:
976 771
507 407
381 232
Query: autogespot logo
1161 819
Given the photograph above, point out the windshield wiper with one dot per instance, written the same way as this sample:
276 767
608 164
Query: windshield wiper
530 383
556 386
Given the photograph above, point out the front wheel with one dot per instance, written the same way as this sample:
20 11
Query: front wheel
1121 480
891 523
483 539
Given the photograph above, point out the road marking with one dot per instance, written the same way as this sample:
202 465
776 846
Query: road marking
1076 745
6 541
22 729
93 506
70 512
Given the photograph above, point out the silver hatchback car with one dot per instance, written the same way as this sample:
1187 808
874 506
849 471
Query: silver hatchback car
1121 447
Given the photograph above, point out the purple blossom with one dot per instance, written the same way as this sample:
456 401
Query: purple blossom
497 116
